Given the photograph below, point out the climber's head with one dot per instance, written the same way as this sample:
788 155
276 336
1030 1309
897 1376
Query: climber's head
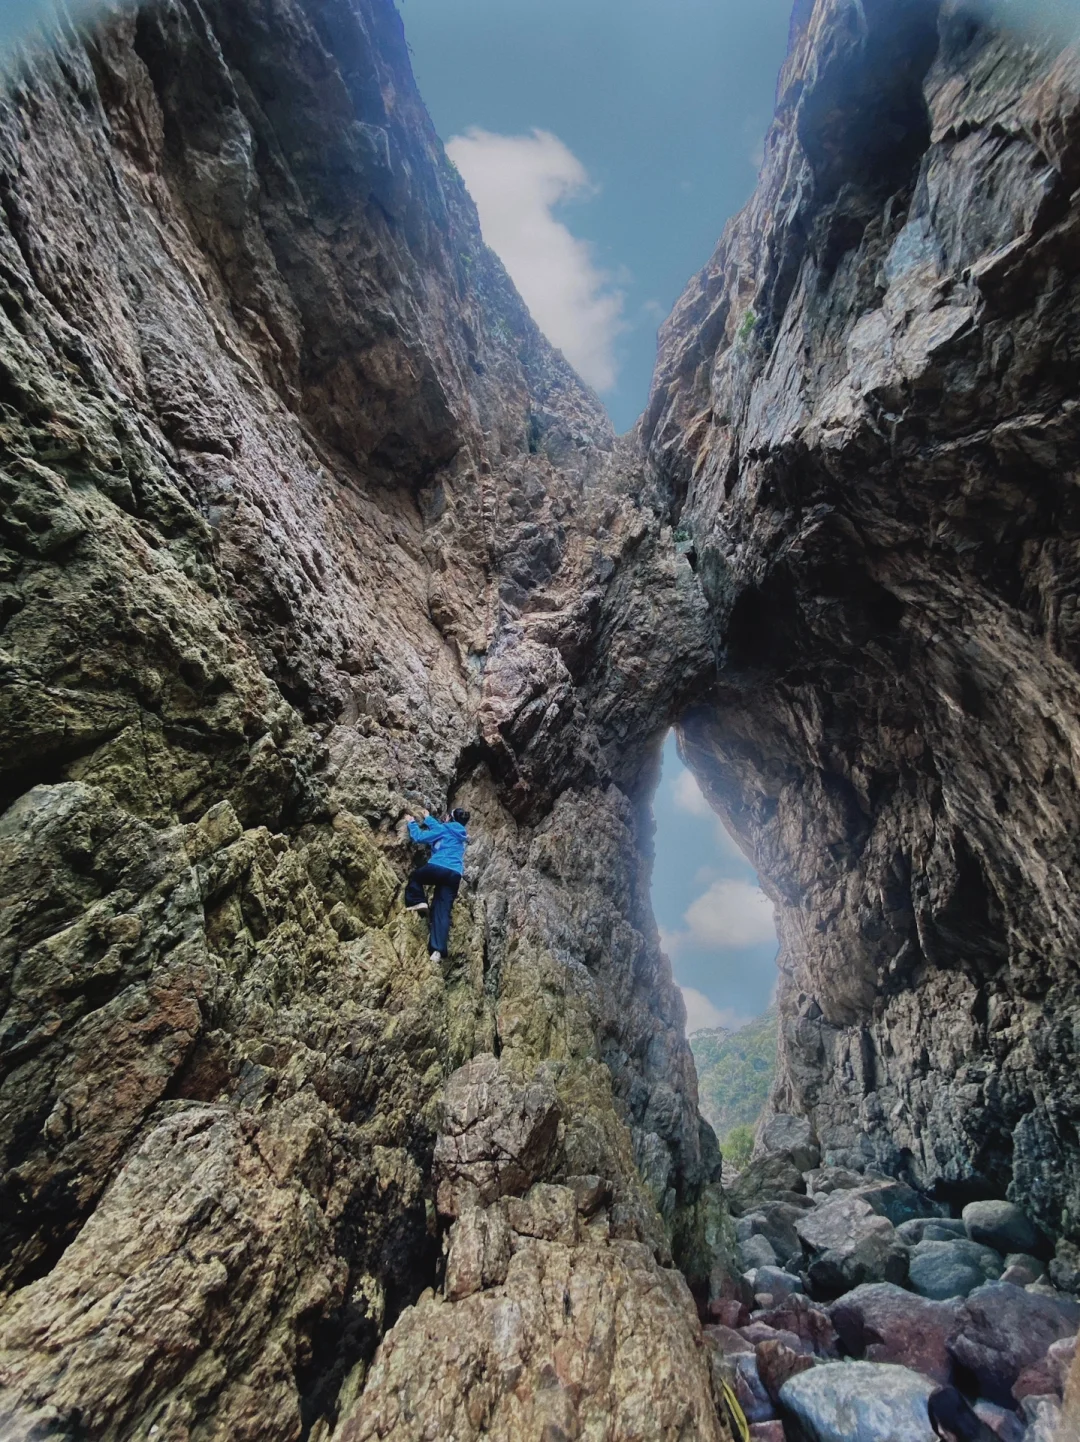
460 815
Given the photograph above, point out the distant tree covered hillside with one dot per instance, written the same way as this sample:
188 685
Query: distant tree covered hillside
735 1071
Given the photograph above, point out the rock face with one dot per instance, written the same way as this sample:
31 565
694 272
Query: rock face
305 526
866 411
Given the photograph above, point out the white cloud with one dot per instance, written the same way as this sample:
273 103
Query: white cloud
702 1013
731 914
516 181
689 796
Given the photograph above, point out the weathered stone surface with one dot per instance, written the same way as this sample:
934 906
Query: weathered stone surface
866 405
780 1285
497 1135
597 1340
545 1211
884 1323
860 1402
793 1136
849 1244
777 1363
479 1251
806 1320
778 1223
765 1178
303 525
207 1247
951 1269
757 1252
1048 1377
1005 1329
930 1229
1003 1226
1022 1269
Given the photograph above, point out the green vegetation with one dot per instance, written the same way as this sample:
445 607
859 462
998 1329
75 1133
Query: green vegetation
735 1071
746 330
738 1144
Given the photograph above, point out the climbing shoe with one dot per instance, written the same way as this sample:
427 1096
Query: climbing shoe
420 906
436 956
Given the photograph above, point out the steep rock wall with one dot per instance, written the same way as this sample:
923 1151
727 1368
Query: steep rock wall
867 409
304 526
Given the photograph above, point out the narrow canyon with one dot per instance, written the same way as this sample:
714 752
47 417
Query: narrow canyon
306 527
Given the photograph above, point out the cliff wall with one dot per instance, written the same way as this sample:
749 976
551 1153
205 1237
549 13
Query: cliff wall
867 403
306 526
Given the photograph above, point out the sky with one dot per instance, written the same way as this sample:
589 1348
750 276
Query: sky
606 142
716 924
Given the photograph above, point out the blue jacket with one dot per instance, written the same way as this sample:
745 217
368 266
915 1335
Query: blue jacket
447 840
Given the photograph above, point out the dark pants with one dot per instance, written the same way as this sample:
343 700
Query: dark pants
446 885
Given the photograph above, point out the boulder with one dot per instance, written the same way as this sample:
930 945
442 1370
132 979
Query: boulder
1004 1329
750 1391
767 1431
777 1363
1004 1423
757 1252
897 1201
545 1211
810 1323
931 1229
1047 1377
940 1270
849 1244
832 1179
761 1181
1004 1227
778 1223
726 1340
498 1135
859 1402
1022 1269
883 1323
777 1283
793 1136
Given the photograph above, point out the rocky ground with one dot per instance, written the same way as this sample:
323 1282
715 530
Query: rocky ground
866 1311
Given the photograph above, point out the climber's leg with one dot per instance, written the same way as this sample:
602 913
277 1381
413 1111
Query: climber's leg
415 900
442 905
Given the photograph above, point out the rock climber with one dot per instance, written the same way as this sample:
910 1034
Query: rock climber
443 871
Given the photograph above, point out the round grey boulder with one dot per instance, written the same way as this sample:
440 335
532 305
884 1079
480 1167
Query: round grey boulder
1004 1227
940 1270
931 1229
860 1402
